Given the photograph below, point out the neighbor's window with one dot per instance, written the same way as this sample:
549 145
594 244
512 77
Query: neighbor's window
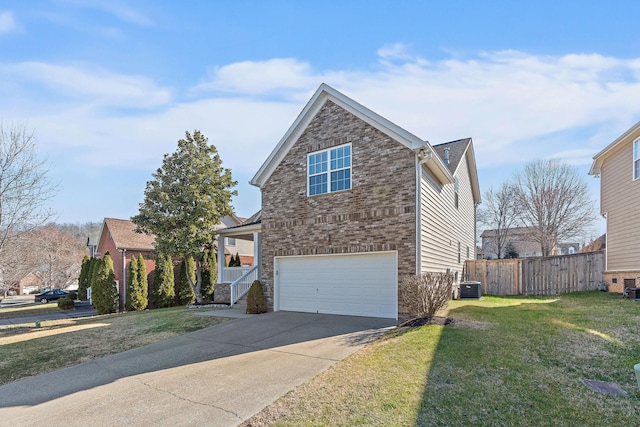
636 159
329 170
231 241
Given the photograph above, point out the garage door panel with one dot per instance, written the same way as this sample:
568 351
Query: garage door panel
354 284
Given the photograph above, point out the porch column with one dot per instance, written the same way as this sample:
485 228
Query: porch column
220 258
257 253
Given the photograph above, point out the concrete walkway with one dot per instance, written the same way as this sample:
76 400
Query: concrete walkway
218 376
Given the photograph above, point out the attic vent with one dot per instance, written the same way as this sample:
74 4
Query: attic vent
446 156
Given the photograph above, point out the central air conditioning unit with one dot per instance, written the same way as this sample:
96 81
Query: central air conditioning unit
470 290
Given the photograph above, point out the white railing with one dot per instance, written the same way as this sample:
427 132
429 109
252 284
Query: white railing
231 274
241 285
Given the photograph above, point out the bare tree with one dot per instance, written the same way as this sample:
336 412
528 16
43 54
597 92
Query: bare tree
59 253
553 201
498 213
24 189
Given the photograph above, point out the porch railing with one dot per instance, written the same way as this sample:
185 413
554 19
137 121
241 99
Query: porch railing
231 274
241 285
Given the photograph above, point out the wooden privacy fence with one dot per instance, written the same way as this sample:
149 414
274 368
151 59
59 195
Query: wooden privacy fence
538 276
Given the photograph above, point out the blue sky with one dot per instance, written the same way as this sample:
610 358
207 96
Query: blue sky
110 86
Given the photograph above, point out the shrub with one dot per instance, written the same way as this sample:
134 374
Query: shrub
256 303
185 294
423 295
66 303
104 292
72 296
163 282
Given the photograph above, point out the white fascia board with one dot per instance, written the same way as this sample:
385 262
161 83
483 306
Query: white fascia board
470 156
324 93
240 230
599 158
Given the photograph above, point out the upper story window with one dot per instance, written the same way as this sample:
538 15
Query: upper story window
231 241
329 170
636 159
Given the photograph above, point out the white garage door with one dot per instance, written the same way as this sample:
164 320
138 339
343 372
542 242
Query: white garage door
351 284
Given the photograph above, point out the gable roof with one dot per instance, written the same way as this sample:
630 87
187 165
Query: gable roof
123 233
628 136
317 101
458 150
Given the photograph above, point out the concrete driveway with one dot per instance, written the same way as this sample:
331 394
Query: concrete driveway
218 376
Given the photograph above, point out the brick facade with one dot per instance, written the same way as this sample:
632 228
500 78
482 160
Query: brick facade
378 213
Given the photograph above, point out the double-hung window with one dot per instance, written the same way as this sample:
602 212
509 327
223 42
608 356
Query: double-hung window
636 159
329 170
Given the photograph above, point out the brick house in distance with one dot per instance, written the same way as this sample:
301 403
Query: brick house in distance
618 166
352 204
119 238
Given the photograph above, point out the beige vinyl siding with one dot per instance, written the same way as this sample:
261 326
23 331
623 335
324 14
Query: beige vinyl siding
621 201
442 225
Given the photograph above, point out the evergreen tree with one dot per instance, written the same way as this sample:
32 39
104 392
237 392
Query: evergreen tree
184 202
144 282
163 283
94 267
83 279
185 291
136 290
104 291
209 273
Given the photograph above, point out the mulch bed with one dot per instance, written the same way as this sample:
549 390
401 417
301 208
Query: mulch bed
421 321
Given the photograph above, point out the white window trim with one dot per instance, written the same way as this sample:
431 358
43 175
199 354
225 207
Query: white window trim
329 170
636 157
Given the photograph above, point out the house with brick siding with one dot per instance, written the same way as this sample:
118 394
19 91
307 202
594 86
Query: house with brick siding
352 204
618 166
119 238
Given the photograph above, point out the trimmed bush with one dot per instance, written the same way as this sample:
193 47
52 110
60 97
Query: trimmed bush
424 295
66 303
256 302
163 283
185 294
72 296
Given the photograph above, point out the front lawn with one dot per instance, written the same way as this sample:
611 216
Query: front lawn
26 350
511 361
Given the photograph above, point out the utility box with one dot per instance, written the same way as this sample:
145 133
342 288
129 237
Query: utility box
470 290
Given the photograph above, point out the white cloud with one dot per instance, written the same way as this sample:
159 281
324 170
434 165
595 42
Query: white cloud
516 106
118 9
7 23
394 51
86 85
260 77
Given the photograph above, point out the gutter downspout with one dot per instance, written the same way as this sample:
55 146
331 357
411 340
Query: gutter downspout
124 280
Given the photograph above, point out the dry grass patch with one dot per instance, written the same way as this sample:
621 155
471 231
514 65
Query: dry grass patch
27 350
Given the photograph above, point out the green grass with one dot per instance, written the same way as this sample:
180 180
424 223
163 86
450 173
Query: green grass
504 362
26 350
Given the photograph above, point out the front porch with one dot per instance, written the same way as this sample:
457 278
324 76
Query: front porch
234 282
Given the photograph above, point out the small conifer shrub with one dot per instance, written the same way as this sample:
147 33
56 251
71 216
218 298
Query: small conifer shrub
256 302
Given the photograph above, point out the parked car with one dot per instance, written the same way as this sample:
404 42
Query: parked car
52 295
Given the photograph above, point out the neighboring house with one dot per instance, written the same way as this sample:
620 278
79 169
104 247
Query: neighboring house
519 241
119 238
519 238
236 245
29 283
618 166
352 204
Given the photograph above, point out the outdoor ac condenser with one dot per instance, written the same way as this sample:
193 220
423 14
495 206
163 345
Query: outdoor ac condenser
470 290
